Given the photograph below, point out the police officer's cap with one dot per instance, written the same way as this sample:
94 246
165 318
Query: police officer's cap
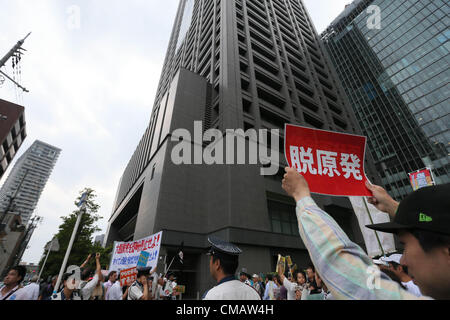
223 247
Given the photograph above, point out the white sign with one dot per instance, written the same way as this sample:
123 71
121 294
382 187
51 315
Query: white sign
53 245
370 239
126 254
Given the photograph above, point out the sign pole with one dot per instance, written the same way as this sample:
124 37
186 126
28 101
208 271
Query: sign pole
82 204
170 264
432 176
45 261
371 221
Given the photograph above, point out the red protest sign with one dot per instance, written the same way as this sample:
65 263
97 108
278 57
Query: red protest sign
128 276
331 162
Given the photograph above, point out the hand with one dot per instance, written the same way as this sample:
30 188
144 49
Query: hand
381 199
97 256
295 184
88 257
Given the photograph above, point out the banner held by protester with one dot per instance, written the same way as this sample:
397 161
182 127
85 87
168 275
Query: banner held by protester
331 162
421 178
128 276
126 254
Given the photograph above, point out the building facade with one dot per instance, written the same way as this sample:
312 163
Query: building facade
11 231
12 132
22 189
396 76
248 64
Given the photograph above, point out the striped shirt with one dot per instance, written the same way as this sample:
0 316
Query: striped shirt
344 267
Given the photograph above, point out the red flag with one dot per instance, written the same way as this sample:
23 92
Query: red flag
331 162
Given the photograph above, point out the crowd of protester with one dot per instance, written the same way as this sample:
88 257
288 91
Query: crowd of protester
302 284
421 221
306 284
92 285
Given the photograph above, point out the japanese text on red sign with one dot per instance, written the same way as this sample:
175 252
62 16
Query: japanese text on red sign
325 162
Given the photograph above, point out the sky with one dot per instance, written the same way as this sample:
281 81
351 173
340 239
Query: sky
92 69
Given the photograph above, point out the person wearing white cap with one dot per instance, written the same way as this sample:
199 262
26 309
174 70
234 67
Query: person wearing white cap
381 263
402 273
257 285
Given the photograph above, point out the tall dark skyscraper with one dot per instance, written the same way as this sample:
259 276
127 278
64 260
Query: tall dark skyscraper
396 77
231 64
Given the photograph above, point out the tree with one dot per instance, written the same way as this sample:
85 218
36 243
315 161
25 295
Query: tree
83 244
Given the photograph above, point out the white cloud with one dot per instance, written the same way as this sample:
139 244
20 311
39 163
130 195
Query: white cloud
92 92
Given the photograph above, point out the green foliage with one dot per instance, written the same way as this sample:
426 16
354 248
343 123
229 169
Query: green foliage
83 244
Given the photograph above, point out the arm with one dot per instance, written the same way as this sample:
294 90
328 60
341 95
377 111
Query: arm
98 266
89 287
145 295
125 295
85 262
290 286
344 267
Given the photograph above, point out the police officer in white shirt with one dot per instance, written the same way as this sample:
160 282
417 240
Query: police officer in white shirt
224 260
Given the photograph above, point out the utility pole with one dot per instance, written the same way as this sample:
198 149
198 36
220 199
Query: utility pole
15 51
26 239
18 252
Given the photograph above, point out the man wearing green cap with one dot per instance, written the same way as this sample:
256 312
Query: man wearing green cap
421 221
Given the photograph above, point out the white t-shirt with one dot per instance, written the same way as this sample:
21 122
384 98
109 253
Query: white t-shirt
232 290
412 288
136 291
87 289
159 292
114 292
19 294
32 290
290 287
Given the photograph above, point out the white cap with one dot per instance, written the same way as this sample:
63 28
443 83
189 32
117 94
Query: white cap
255 276
380 262
393 258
